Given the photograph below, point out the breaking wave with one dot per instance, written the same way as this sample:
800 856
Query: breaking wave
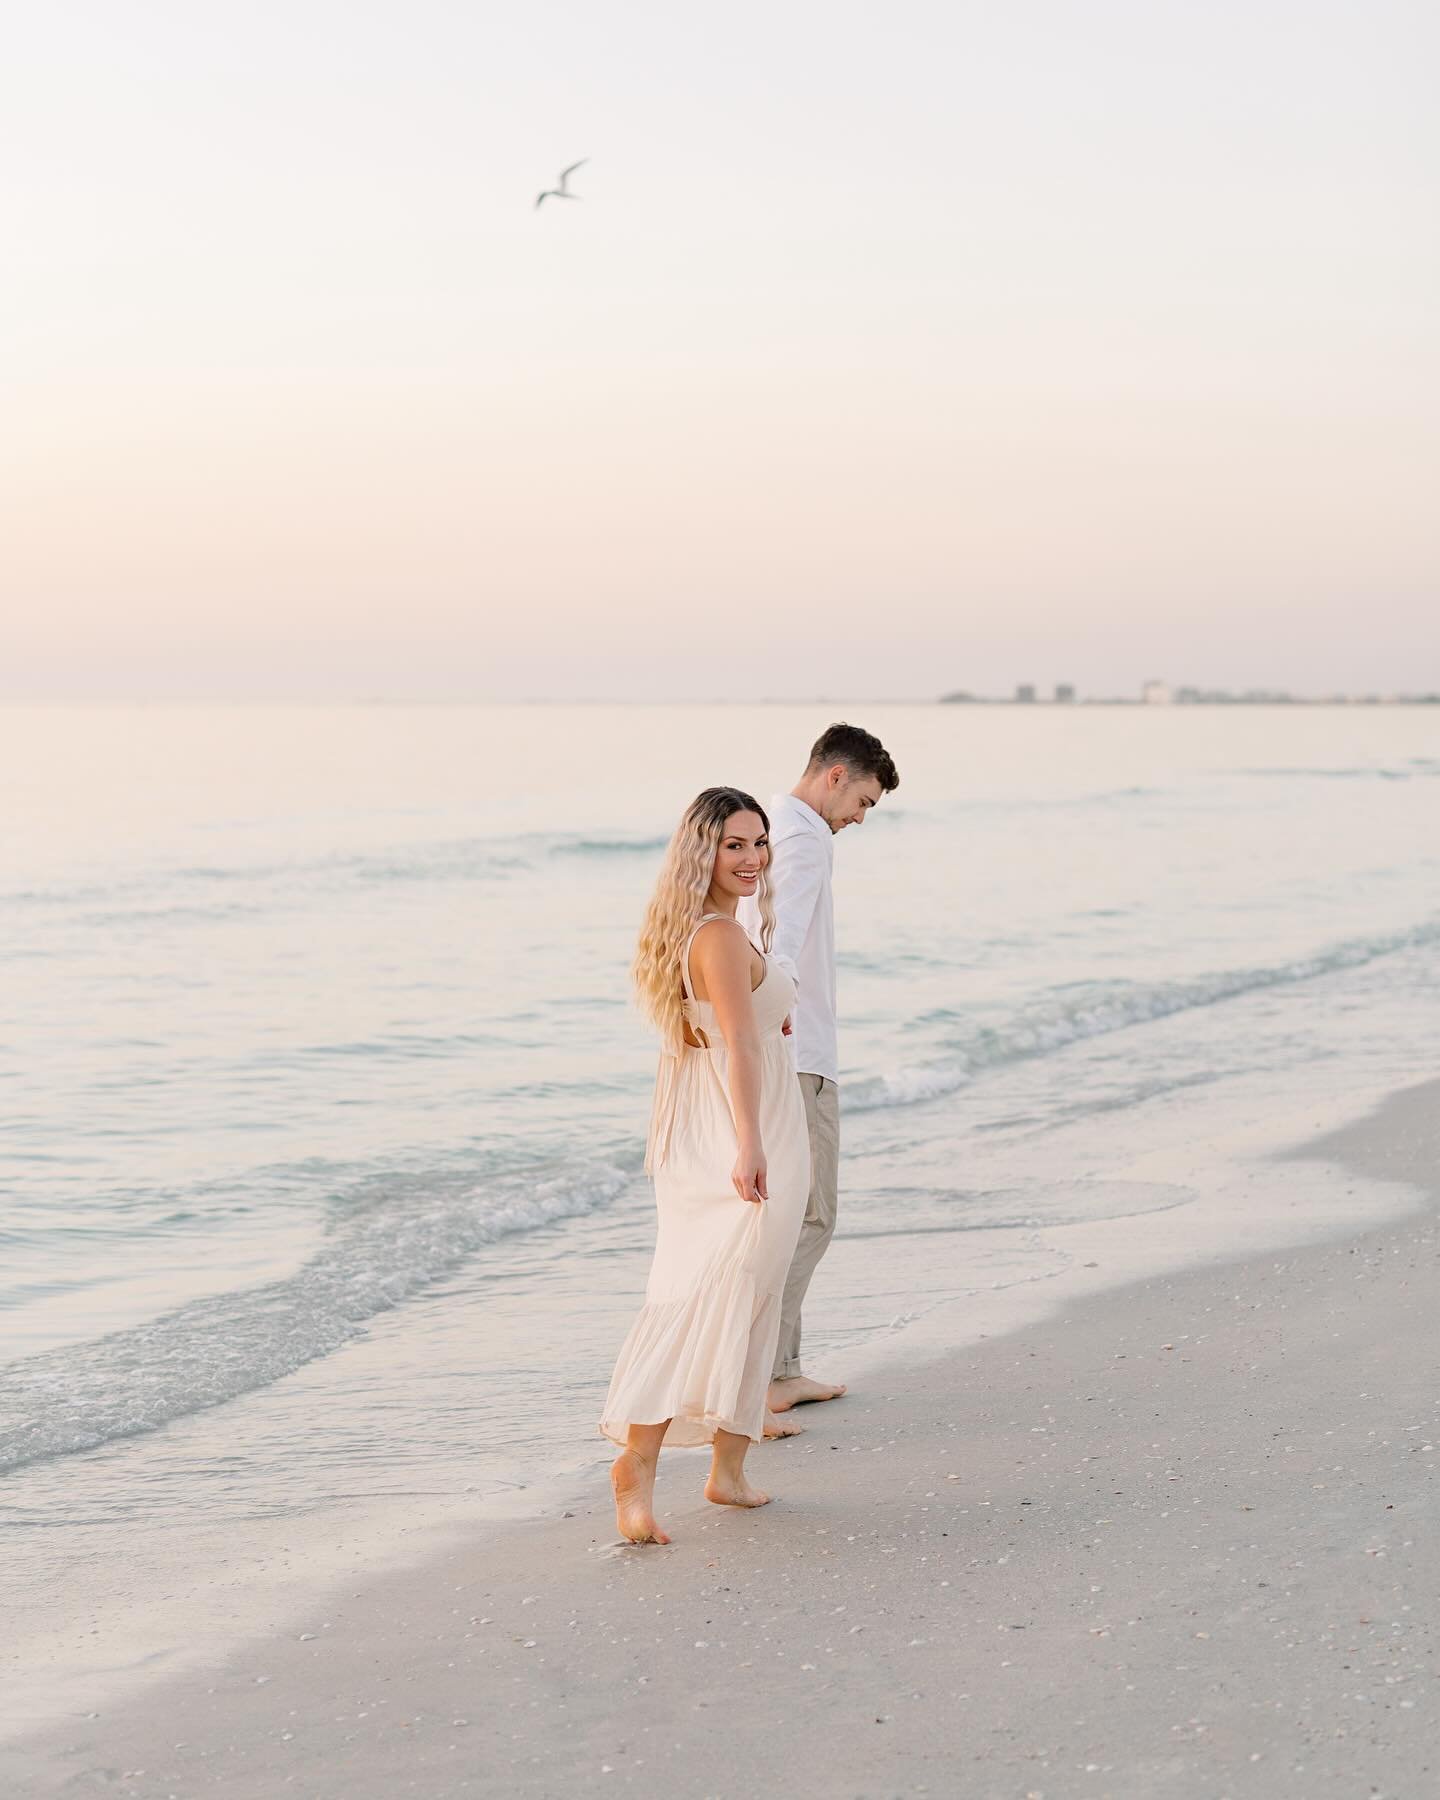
81 1396
1056 1025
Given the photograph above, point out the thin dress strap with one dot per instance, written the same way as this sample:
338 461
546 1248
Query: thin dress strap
690 1000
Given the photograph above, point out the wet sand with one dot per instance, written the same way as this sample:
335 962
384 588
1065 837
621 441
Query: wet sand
1177 1538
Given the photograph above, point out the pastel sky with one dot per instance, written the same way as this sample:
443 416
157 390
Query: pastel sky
891 349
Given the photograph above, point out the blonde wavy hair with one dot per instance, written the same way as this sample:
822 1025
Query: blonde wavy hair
678 904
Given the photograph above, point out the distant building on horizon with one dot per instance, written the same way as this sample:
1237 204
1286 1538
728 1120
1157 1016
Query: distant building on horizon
1160 693
1197 696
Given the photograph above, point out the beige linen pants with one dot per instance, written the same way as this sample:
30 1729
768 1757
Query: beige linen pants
822 1115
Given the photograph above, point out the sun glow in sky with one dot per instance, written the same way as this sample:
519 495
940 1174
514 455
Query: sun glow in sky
889 350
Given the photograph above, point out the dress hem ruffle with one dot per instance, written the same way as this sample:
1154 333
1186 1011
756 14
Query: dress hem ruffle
691 1361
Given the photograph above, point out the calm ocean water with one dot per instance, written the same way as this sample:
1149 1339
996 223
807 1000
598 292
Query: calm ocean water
324 1101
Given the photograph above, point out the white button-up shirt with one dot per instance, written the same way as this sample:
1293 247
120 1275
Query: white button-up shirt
802 852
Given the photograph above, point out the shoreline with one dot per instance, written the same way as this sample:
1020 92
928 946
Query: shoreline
134 1609
884 1599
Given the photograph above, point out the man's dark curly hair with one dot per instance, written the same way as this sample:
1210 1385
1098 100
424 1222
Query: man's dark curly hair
860 751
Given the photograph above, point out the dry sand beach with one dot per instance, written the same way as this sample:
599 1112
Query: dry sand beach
1174 1539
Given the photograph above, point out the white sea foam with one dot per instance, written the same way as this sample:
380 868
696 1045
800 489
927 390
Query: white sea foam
936 1212
229 1344
1067 1022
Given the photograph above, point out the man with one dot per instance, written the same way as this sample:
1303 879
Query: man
848 772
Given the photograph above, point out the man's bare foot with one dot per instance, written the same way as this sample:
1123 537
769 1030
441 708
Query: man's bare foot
776 1427
731 1490
799 1390
633 1480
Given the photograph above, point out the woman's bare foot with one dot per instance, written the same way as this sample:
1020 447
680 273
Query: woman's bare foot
726 1489
799 1390
776 1427
633 1480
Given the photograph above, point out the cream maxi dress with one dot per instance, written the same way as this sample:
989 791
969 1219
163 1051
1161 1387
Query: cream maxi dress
701 1350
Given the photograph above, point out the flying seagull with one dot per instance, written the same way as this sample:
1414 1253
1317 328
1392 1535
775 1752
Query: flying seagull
562 192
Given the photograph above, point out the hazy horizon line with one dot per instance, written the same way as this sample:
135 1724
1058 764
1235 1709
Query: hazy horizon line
1040 703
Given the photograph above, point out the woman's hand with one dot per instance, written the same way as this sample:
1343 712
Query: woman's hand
748 1175
785 1026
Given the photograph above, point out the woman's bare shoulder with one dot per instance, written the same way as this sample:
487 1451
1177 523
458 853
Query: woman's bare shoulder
720 941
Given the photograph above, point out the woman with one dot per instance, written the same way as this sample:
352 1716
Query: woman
731 1160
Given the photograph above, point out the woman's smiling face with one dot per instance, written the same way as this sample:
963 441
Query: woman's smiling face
743 855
